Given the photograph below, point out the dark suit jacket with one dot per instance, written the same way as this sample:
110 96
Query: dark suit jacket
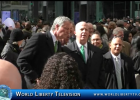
35 54
127 72
92 72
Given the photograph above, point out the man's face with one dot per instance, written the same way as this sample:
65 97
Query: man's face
82 32
18 25
71 29
116 46
64 30
96 40
90 29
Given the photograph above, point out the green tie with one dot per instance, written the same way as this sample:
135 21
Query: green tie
82 51
55 47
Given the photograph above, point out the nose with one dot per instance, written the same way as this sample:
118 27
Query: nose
117 45
84 30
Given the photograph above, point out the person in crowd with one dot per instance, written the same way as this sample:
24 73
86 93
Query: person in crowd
11 50
118 31
3 39
111 27
97 41
136 60
72 35
47 26
119 71
27 31
39 48
88 57
39 27
27 34
136 57
17 25
127 36
102 32
9 75
60 72
91 30
22 25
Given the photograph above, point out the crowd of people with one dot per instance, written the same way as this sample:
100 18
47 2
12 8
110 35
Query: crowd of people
64 55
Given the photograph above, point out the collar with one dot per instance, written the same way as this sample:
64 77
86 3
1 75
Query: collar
79 45
115 56
53 36
101 46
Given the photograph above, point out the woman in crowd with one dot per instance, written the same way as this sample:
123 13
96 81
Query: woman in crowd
97 41
60 72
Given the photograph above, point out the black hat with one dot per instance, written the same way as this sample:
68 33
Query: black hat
16 35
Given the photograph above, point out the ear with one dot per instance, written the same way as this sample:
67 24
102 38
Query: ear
109 45
56 26
74 33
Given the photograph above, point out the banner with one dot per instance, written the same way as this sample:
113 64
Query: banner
47 94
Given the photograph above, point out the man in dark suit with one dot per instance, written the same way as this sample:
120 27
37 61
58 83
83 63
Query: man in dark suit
119 70
88 57
40 47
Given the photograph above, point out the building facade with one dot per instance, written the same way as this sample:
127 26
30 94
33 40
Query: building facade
76 10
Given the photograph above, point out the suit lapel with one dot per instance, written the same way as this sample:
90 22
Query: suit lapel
123 71
76 50
89 52
50 42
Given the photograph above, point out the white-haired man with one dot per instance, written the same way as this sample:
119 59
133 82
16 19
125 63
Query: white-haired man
40 47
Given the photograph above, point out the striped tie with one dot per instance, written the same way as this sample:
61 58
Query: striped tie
118 73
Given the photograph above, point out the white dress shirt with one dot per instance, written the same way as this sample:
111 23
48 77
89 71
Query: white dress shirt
85 48
119 59
53 37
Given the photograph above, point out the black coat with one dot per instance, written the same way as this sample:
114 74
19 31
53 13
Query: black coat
136 60
127 72
92 71
10 53
35 54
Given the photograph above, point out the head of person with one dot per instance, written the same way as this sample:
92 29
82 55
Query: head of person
45 23
72 28
116 45
112 25
17 24
23 23
82 32
61 27
127 36
91 29
9 75
60 72
16 37
96 39
118 31
28 26
101 30
120 23
40 21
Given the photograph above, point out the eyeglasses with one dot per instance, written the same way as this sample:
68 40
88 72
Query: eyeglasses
96 39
